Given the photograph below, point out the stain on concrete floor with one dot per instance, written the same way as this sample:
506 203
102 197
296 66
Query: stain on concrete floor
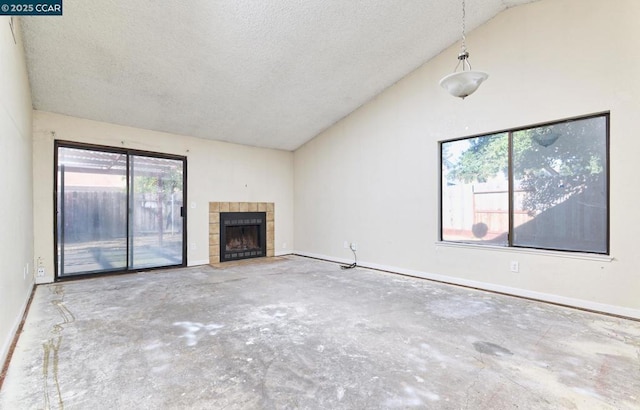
303 334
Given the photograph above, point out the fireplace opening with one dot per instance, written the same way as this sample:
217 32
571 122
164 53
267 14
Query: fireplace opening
242 235
242 238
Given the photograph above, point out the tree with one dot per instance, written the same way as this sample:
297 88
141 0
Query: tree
549 163
158 182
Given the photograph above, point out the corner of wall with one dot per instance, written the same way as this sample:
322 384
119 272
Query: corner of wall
16 178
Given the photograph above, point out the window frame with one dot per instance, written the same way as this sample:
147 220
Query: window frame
606 115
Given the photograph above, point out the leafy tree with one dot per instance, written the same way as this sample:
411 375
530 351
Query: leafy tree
550 163
157 183
482 160
161 182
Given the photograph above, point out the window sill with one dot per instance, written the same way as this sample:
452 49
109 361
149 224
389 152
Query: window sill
541 252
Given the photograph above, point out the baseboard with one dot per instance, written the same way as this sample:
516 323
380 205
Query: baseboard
198 262
524 293
6 346
283 253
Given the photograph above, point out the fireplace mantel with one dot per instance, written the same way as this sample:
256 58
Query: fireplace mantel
214 224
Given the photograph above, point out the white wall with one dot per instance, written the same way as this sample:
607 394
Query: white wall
16 201
373 178
216 171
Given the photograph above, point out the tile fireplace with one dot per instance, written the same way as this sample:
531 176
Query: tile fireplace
240 230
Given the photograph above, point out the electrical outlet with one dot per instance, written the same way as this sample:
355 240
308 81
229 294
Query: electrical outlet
346 245
24 273
284 245
40 271
354 246
514 266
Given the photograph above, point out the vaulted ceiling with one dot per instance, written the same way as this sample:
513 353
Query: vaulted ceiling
268 73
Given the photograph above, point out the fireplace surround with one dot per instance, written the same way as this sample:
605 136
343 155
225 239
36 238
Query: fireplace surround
217 208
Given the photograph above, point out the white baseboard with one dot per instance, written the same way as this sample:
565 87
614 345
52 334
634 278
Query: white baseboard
283 253
198 262
14 329
529 294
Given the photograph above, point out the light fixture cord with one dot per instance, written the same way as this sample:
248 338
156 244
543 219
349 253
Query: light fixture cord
464 27
463 56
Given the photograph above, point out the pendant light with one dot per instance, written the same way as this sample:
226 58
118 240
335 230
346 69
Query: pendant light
466 82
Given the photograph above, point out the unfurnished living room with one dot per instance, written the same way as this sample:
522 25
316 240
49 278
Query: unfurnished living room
326 204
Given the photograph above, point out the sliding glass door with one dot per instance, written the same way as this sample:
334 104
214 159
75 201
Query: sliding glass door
117 210
155 225
92 211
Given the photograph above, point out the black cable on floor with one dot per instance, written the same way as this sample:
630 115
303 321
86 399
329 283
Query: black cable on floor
355 261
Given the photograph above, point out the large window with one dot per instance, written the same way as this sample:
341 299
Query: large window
542 187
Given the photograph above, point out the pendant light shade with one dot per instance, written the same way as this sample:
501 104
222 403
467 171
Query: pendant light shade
463 83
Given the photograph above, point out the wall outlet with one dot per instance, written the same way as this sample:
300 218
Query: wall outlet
514 266
346 245
24 273
284 245
40 271
353 246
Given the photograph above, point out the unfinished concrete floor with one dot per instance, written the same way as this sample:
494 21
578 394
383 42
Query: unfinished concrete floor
293 332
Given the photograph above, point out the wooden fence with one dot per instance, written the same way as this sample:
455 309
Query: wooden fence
95 216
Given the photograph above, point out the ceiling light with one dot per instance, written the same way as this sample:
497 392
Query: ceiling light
465 82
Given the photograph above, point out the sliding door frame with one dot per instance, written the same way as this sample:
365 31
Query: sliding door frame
128 152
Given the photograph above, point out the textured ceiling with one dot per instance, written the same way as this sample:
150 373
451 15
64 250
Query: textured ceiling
268 73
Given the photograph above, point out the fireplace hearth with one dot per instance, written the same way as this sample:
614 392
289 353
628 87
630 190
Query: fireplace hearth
242 235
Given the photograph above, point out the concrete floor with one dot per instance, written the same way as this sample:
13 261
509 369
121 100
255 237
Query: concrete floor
299 333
